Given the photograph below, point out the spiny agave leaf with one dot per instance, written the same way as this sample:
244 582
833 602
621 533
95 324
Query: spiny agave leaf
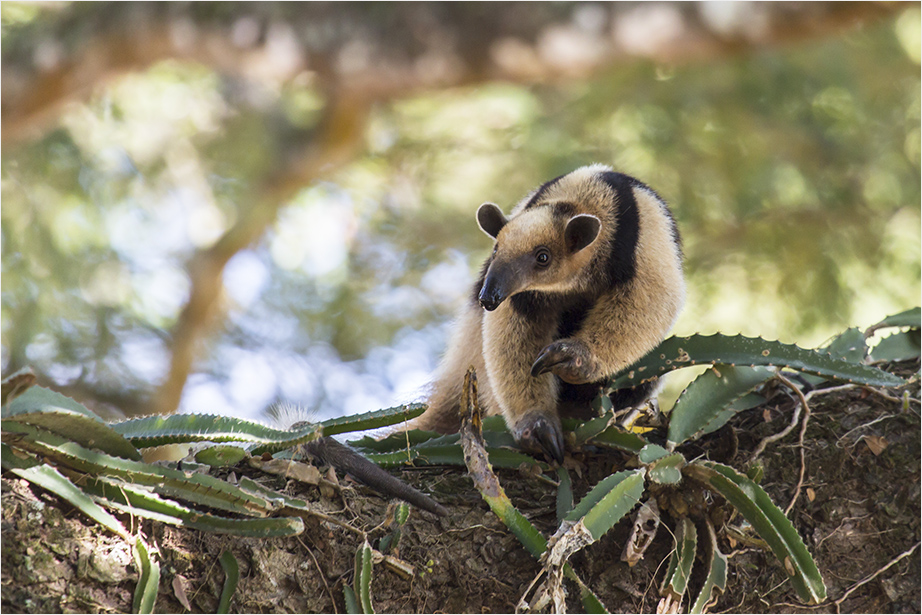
51 479
910 318
279 500
221 455
897 347
849 346
62 415
677 352
681 560
197 488
22 461
402 513
708 395
746 402
616 437
590 601
493 439
451 455
143 502
650 453
145 595
397 441
363 562
768 521
667 470
608 501
16 384
352 603
716 581
151 431
584 430
372 420
231 578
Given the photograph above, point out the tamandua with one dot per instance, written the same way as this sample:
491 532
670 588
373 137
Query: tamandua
585 278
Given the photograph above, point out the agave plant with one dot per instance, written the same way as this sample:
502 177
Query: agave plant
662 475
56 443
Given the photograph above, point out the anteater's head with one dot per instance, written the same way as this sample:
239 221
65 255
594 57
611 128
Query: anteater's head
541 248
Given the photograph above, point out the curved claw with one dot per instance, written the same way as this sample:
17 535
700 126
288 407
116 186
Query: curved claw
542 434
568 360
546 361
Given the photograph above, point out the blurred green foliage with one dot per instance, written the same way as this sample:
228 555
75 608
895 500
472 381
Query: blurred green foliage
794 174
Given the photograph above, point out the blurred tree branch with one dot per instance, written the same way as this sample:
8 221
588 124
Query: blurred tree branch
386 49
337 137
360 54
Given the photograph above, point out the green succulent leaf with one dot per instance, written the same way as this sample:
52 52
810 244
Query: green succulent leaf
850 345
716 580
615 437
352 603
678 352
910 318
231 578
145 594
650 453
667 470
397 441
681 560
193 487
590 601
899 346
372 420
144 502
51 479
363 567
768 521
699 409
221 455
612 498
148 431
451 454
62 415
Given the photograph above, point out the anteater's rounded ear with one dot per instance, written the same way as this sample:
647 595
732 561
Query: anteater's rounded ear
491 219
581 231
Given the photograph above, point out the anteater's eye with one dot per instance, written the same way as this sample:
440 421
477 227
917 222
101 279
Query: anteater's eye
543 257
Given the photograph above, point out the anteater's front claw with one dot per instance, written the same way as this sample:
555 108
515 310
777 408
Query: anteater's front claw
567 359
540 434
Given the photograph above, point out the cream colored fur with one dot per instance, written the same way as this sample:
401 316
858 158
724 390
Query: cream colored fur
622 325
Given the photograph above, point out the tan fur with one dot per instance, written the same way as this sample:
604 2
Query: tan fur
622 324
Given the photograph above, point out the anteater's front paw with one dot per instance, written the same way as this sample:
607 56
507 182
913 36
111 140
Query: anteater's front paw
569 359
541 434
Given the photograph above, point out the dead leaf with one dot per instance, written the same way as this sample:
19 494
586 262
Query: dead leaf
811 494
288 468
179 590
876 444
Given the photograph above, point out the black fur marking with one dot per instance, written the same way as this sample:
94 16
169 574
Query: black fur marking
575 400
624 398
573 316
622 257
564 210
540 192
530 303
